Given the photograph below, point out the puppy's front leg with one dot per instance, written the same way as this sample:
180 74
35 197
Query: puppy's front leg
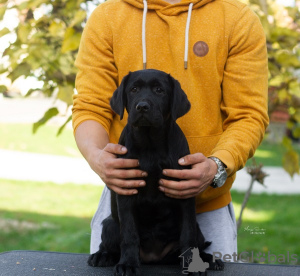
129 262
191 238
188 235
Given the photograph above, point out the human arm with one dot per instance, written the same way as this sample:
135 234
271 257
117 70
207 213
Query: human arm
243 107
245 93
117 173
92 116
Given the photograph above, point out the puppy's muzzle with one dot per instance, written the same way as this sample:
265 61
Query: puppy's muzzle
142 107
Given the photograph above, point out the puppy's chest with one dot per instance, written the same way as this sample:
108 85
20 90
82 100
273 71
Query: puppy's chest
154 162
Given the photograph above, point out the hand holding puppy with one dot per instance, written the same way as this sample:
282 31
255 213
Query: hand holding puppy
192 181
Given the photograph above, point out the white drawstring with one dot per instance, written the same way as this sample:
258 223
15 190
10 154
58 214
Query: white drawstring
144 34
187 28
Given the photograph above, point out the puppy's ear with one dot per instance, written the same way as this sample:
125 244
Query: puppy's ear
180 104
118 101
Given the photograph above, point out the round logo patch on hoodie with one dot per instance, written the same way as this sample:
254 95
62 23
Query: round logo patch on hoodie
200 49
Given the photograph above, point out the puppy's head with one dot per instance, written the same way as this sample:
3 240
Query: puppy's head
150 98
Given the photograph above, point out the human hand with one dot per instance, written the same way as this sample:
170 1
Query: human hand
191 181
117 173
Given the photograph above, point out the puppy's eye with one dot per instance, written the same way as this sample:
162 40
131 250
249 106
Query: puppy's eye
159 90
134 89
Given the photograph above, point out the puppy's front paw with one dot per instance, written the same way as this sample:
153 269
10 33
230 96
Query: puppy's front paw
102 259
126 270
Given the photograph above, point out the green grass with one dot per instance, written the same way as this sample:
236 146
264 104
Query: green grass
270 154
277 214
46 216
51 217
19 137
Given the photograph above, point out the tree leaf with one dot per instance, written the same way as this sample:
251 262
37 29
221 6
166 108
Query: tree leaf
287 143
65 93
23 32
64 125
2 11
36 3
66 63
57 28
3 88
30 91
296 132
22 6
4 32
283 95
71 40
79 17
22 69
291 162
50 113
297 116
294 88
287 59
278 79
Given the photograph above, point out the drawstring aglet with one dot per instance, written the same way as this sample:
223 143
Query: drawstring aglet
144 33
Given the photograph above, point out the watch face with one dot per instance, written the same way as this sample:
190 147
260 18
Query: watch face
220 179
221 175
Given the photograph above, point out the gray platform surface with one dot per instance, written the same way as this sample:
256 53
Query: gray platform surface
24 263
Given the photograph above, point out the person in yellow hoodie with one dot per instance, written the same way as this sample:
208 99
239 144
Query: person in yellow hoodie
216 49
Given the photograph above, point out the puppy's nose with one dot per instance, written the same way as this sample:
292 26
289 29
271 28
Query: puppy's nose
142 107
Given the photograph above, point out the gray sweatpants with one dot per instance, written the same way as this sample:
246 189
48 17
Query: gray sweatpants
218 226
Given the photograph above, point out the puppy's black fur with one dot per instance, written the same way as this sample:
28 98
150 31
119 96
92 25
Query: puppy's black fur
150 227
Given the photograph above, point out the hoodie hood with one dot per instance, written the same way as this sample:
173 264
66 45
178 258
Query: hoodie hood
169 10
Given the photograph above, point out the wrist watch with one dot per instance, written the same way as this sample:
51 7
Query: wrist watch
221 174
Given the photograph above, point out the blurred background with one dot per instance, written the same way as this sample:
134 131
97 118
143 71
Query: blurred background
48 193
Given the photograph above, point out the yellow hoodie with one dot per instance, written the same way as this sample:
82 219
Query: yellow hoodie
217 51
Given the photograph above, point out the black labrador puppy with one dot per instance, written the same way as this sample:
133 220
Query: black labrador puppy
150 227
